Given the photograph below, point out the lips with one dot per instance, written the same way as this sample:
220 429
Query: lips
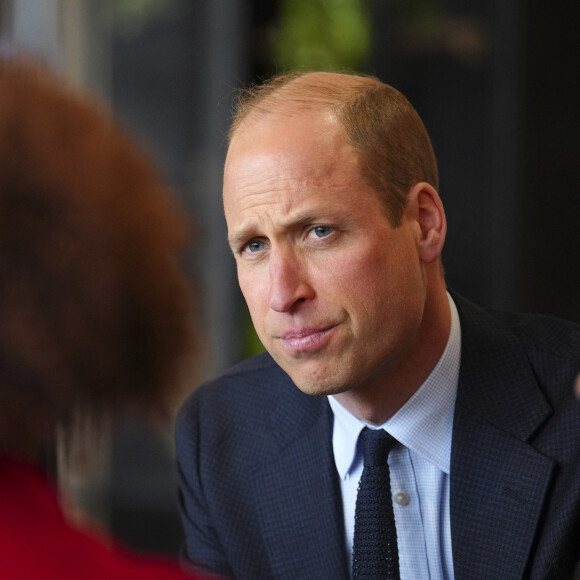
306 340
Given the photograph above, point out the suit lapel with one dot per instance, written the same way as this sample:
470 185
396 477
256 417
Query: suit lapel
498 481
299 504
498 488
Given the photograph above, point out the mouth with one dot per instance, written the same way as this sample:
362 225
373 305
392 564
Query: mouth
306 340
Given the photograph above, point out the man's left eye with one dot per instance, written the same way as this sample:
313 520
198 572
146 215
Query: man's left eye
322 231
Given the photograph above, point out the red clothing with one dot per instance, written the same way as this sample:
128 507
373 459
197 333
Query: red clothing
36 541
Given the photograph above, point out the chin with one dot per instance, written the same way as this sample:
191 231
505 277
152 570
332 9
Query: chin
312 387
315 379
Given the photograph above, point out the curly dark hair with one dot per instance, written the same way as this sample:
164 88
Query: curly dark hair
95 307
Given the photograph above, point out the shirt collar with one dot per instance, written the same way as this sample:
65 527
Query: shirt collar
423 424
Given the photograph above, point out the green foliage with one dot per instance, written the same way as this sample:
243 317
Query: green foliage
322 34
252 344
132 16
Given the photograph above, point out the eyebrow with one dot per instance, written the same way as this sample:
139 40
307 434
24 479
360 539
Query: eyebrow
248 232
240 237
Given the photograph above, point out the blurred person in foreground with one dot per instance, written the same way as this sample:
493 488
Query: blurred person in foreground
337 228
95 312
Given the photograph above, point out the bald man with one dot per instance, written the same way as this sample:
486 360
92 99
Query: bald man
335 221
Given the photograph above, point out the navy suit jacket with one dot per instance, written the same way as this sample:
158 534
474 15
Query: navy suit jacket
259 491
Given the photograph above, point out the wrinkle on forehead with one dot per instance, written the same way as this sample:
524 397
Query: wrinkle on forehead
271 169
259 188
265 209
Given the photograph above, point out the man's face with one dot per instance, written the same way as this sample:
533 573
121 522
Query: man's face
336 294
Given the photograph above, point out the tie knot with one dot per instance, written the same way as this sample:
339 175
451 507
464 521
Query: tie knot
377 444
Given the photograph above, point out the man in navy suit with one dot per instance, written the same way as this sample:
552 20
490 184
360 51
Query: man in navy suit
330 196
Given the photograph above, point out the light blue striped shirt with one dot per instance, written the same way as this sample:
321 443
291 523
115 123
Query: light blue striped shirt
419 467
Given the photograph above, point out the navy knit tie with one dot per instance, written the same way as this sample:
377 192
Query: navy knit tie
375 554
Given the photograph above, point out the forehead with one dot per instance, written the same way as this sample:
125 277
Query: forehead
306 146
291 173
276 155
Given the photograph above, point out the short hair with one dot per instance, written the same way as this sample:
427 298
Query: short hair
96 308
378 121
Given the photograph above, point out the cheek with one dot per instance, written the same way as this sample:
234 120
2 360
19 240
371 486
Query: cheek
358 275
378 286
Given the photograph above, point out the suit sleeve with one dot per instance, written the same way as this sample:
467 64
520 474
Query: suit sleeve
202 547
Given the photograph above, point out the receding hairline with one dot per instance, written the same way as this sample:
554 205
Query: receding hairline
299 93
374 118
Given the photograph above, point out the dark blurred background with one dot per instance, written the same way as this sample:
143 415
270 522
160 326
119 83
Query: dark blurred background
495 82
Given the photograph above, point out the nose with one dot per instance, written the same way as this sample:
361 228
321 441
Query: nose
289 283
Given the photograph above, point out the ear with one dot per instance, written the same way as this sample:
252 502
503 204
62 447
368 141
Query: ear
428 211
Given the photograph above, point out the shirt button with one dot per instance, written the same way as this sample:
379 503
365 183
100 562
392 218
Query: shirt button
401 498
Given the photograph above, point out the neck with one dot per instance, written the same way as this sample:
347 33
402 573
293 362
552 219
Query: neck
381 396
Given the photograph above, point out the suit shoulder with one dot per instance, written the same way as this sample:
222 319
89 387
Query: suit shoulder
552 347
547 334
550 335
250 387
259 373
261 363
